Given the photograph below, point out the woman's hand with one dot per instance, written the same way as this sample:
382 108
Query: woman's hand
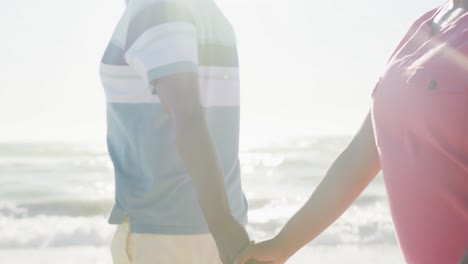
267 252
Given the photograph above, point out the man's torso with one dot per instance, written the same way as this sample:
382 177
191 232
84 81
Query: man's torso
152 186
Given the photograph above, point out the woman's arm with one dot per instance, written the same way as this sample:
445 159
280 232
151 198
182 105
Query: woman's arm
349 175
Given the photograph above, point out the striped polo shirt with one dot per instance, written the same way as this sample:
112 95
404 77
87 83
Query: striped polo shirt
154 39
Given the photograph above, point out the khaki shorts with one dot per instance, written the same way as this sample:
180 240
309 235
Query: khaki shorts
132 248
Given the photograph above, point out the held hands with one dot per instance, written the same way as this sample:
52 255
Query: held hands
266 252
231 240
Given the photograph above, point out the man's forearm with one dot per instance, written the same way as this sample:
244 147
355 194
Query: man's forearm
199 156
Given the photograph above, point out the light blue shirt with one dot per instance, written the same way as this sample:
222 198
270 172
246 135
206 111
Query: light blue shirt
154 39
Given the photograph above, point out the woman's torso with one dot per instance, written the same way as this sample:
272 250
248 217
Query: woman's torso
420 115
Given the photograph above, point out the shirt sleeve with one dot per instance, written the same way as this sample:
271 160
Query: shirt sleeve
414 28
164 49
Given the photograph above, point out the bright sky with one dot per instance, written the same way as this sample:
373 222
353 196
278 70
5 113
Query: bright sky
307 67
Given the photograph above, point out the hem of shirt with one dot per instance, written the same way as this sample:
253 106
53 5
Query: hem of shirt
117 215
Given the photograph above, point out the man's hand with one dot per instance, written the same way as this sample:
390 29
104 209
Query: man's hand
231 240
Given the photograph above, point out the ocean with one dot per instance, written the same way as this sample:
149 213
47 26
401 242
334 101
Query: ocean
55 199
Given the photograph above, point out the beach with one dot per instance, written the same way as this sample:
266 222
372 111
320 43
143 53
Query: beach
55 199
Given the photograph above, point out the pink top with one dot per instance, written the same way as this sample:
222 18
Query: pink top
420 118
